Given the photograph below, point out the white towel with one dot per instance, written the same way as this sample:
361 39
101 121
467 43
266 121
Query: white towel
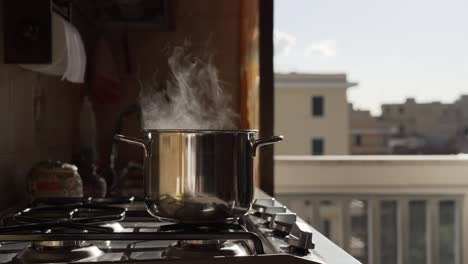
68 53
76 55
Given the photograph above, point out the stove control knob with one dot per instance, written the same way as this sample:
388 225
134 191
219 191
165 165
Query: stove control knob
271 211
300 236
260 204
283 222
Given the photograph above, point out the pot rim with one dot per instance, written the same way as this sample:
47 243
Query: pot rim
202 131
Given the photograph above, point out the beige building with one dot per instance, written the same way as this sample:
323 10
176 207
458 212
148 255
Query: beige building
369 135
312 113
436 123
434 120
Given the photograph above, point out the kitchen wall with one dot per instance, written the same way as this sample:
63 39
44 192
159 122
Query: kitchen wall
209 25
37 122
38 114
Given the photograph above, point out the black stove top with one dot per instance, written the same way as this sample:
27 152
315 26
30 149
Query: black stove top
108 230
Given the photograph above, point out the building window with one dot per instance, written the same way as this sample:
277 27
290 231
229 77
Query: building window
358 140
401 129
317 105
358 242
389 232
326 227
318 146
417 232
330 214
447 232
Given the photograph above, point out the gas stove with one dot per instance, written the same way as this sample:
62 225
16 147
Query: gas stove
120 230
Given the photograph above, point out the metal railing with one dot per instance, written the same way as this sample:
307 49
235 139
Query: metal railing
381 229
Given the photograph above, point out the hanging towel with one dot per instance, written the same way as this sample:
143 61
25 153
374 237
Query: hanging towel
68 53
76 55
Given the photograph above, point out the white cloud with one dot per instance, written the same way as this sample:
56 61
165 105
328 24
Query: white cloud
283 42
325 48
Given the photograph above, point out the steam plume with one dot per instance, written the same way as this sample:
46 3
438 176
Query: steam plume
192 99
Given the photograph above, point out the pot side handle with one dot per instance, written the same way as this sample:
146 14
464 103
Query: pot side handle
266 141
133 141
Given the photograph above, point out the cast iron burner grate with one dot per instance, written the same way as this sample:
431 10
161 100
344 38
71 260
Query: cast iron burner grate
203 228
52 201
79 219
210 232
170 232
63 218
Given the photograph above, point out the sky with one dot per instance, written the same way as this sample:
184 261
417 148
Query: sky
392 49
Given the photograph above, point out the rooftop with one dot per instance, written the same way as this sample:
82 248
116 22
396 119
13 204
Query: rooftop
306 80
463 158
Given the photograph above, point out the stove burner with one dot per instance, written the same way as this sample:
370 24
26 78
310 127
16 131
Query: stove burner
57 252
204 246
58 244
115 226
195 243
206 249
59 219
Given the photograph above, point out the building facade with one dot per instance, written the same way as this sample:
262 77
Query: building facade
369 135
312 113
437 128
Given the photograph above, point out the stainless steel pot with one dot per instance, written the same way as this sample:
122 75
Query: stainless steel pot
198 176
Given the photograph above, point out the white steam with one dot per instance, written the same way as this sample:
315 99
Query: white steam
192 99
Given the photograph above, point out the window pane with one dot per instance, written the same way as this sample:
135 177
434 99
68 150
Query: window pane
318 146
447 231
358 140
317 105
417 232
331 220
358 241
388 232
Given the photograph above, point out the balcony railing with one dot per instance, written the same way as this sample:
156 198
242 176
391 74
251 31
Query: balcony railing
388 209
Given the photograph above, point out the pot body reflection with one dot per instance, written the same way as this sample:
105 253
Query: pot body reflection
199 176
